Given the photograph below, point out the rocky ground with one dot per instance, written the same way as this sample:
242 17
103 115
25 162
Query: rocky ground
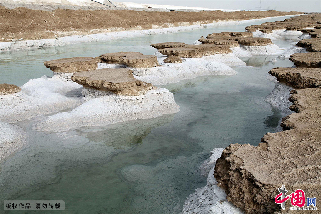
27 24
251 175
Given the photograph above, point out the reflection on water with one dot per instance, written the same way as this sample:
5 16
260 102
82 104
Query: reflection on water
145 166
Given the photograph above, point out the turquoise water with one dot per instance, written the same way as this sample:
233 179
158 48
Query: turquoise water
144 166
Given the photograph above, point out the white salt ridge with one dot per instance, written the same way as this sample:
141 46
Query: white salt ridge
107 36
133 5
11 139
218 64
248 51
279 97
279 34
112 109
210 199
39 97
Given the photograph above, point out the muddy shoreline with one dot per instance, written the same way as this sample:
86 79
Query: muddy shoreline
27 24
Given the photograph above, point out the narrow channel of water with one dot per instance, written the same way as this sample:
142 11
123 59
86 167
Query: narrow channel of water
145 166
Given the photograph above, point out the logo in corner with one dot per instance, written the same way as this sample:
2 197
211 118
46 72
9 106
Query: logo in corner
298 200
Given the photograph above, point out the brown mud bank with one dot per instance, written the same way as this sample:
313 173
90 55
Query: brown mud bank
26 24
251 175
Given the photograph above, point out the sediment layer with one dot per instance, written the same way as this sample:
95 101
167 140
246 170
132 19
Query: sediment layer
27 24
308 60
71 65
196 51
294 23
298 77
313 45
119 81
131 59
6 89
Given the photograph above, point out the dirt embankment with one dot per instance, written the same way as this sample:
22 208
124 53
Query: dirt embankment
26 24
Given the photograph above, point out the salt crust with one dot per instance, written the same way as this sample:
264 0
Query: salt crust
210 199
218 64
12 138
62 41
112 109
39 97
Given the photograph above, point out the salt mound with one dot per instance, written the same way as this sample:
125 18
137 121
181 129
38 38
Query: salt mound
218 64
210 199
39 97
248 51
279 34
112 109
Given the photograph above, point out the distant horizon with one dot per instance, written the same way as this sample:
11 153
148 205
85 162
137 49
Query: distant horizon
281 5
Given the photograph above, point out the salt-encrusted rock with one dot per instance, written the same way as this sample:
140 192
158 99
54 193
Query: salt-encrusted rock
196 51
119 81
313 45
294 23
221 41
233 35
71 65
168 45
298 77
315 33
256 41
173 59
308 98
116 58
307 103
8 89
131 59
310 60
252 175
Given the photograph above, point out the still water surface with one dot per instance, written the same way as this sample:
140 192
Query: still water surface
144 166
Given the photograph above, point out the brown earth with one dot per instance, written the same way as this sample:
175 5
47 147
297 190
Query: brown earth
23 23
196 51
71 65
222 41
255 41
168 45
6 89
130 59
308 60
294 23
232 35
251 175
120 81
313 45
173 59
298 77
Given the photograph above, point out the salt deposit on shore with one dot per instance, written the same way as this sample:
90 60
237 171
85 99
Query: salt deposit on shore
39 97
112 109
210 199
191 67
12 138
